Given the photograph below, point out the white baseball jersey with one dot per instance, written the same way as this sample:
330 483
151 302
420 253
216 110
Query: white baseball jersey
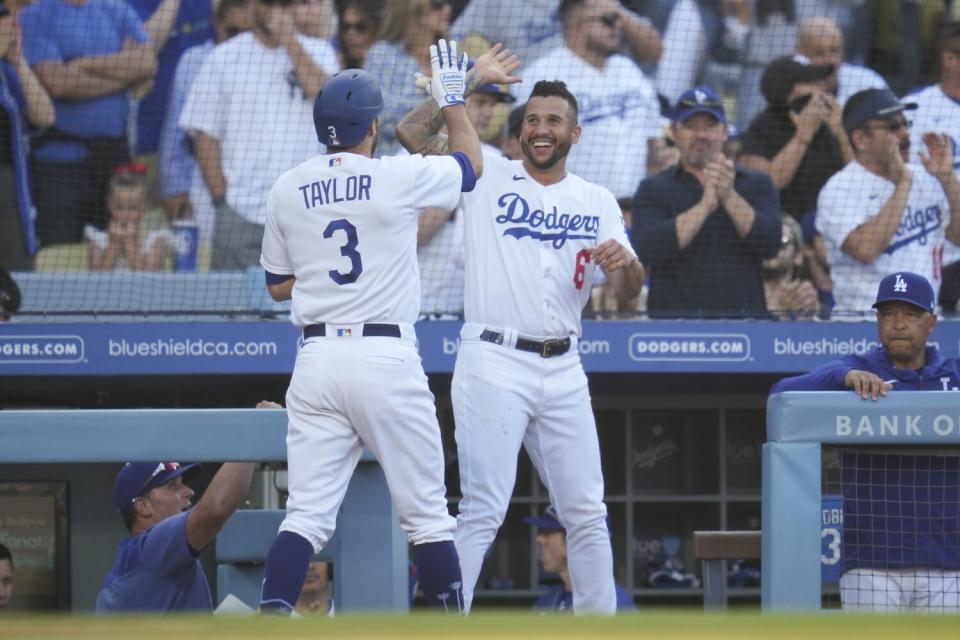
247 98
853 196
539 290
346 227
853 78
619 112
938 113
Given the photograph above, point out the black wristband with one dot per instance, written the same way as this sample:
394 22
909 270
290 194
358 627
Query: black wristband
219 201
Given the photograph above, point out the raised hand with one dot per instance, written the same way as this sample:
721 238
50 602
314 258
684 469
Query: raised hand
724 173
808 121
449 80
497 65
938 160
896 167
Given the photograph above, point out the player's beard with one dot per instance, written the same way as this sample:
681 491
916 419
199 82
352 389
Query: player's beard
560 150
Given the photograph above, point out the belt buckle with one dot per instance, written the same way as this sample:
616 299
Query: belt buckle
547 345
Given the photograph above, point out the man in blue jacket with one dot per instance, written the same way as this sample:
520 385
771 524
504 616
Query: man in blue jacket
901 512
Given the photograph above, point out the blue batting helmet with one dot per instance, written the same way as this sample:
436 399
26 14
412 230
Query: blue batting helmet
348 103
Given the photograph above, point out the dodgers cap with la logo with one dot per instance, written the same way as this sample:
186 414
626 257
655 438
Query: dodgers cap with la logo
906 287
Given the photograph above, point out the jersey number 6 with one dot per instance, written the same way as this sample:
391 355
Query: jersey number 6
582 260
348 250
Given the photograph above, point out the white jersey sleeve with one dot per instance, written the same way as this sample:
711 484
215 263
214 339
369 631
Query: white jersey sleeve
437 181
273 253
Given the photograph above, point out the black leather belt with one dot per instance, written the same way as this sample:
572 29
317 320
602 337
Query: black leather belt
546 349
369 330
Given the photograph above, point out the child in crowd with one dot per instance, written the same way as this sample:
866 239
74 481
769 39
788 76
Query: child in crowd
136 239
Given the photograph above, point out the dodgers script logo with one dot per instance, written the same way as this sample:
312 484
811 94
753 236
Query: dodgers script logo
916 225
557 227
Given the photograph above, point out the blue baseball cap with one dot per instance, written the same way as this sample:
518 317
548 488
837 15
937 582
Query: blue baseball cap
137 478
699 100
547 521
906 287
872 103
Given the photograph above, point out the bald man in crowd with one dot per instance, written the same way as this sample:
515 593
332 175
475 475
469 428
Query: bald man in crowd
820 41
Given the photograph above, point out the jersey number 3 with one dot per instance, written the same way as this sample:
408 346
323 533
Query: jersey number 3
348 250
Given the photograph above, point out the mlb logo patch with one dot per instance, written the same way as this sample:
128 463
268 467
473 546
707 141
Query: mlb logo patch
344 333
335 162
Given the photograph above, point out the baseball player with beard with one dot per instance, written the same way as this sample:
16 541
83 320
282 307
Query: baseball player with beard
534 236
340 242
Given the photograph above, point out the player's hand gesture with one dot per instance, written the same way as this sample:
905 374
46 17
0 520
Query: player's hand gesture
449 80
496 66
866 384
611 256
938 160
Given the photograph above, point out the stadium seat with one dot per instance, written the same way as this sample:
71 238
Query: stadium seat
62 257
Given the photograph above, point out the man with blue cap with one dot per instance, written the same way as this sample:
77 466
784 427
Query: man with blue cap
900 549
881 214
705 226
552 547
157 567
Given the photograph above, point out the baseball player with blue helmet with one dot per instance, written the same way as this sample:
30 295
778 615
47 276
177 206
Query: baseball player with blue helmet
340 242
535 236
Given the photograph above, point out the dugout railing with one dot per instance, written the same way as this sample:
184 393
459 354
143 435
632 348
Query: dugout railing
799 426
369 550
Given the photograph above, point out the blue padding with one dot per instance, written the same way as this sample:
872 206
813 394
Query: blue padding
842 417
469 177
144 435
248 534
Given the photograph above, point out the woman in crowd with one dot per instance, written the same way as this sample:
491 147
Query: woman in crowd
408 29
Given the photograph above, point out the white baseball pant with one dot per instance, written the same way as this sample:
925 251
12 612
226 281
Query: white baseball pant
900 591
504 398
351 392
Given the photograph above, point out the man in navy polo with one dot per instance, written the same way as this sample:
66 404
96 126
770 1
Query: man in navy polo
156 568
900 516
704 226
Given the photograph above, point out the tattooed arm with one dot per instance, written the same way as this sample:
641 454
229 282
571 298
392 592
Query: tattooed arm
420 130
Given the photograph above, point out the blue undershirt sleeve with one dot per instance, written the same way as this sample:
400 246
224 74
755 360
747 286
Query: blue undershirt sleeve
276 278
469 177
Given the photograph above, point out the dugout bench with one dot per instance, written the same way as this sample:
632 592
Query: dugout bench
369 552
713 549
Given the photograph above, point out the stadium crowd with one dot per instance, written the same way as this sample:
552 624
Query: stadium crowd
144 135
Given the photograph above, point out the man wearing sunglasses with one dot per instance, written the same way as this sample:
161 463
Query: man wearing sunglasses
619 110
157 568
880 214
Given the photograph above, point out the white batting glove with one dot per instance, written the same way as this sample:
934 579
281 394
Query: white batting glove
449 79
